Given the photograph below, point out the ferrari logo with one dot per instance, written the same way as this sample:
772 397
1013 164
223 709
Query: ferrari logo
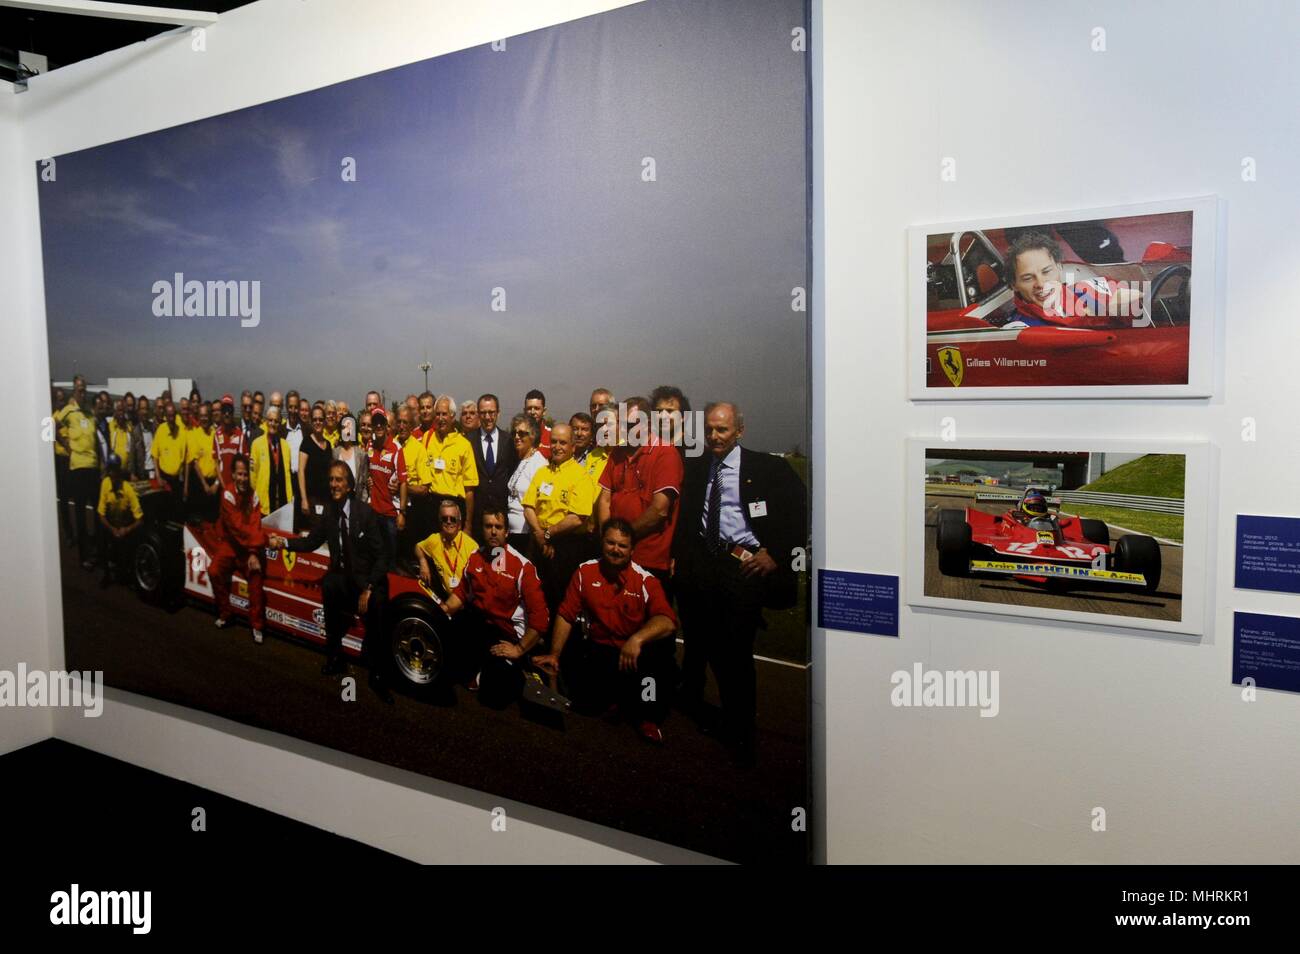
950 361
289 558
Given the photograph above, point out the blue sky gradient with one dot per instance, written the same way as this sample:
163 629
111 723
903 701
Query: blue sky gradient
519 169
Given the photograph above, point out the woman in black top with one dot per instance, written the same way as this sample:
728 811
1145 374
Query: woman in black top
314 458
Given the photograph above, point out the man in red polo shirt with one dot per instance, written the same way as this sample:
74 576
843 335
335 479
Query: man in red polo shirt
626 658
535 407
239 541
387 473
641 484
507 613
228 440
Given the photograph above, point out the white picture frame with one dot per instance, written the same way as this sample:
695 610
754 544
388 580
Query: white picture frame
1194 591
928 331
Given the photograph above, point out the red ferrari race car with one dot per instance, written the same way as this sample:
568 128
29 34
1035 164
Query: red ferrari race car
974 340
171 560
1032 544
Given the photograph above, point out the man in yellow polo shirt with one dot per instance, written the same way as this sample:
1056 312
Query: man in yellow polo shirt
83 465
447 551
58 404
421 519
445 463
270 470
202 470
557 507
169 451
585 452
120 515
119 434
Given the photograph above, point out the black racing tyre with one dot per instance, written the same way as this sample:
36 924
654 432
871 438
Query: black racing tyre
1095 531
949 516
1139 554
954 544
158 566
416 649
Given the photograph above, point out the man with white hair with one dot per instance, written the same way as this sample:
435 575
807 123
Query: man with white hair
445 462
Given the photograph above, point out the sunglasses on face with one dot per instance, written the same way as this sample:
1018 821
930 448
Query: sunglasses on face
450 519
523 434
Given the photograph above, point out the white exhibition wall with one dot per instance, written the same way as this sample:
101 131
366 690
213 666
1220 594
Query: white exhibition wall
1147 727
29 554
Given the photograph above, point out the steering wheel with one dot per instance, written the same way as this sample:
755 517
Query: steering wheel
1164 276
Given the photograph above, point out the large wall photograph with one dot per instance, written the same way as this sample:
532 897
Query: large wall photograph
456 417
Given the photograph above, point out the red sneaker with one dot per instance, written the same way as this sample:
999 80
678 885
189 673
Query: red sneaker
651 733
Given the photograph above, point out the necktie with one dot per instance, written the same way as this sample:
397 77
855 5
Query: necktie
344 543
713 523
489 458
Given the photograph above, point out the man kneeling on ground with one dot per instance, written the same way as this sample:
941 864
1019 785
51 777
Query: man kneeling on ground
502 614
625 664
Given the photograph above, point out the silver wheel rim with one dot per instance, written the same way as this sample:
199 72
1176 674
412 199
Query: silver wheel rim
417 650
148 571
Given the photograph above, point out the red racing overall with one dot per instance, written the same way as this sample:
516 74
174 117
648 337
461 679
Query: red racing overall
240 536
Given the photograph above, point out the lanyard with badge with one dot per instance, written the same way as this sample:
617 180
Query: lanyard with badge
452 556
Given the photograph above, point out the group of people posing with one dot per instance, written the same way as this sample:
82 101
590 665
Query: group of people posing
549 546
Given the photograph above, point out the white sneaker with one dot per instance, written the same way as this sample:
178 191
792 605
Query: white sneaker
221 623
257 636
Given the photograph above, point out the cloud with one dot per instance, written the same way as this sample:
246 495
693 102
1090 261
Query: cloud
128 209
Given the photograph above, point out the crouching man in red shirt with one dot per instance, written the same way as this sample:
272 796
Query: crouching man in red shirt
239 539
506 613
626 661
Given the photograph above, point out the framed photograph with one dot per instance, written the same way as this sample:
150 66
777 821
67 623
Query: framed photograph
1101 532
1115 302
356 392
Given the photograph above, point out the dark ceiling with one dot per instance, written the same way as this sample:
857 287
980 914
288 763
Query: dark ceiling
66 38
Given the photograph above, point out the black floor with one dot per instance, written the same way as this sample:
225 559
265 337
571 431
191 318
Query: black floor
73 802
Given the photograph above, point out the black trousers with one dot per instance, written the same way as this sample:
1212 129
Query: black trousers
175 502
202 505
117 550
721 611
595 682
421 522
83 484
500 680
340 594
570 551
63 494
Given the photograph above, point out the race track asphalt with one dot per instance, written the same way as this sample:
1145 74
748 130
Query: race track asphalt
1166 603
686 792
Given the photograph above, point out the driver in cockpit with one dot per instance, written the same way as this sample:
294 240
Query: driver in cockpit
1034 513
1042 297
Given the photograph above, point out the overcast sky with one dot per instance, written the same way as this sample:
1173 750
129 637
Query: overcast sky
519 169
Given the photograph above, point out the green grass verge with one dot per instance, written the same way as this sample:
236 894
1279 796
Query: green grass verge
1169 526
1152 475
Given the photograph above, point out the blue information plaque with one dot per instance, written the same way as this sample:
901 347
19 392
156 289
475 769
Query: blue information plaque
1267 649
1268 553
857 602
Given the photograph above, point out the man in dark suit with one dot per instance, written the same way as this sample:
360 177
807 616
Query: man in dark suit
743 514
357 580
495 459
